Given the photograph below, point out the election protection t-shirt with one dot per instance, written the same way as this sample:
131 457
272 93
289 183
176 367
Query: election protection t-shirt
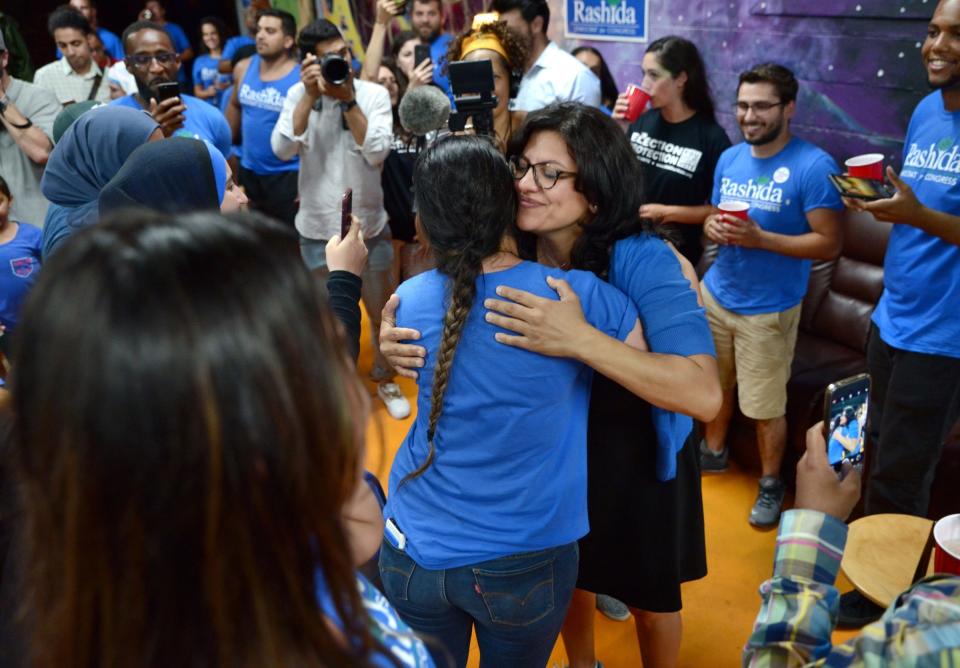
780 190
678 164
201 121
19 267
919 310
261 103
205 74
510 469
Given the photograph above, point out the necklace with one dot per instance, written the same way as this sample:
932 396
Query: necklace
550 260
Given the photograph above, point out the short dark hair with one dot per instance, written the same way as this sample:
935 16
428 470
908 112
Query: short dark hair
4 188
217 23
287 21
427 2
66 16
317 32
781 78
529 9
137 26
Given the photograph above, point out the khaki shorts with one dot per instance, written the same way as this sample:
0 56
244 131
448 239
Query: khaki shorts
754 353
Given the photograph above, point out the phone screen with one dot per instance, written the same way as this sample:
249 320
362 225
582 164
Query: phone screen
858 188
845 419
421 52
346 211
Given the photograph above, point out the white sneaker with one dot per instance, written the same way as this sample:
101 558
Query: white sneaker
397 404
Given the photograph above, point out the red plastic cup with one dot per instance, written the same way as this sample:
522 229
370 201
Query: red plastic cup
866 166
946 533
735 208
637 100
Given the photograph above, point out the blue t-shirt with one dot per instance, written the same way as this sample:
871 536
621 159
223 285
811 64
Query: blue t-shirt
201 121
645 269
234 44
261 103
438 56
180 44
919 310
510 472
205 74
19 267
386 626
111 44
835 450
781 190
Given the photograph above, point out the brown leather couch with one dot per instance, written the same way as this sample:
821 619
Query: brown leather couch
831 344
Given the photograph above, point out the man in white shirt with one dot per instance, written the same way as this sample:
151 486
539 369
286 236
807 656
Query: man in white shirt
551 74
342 133
76 77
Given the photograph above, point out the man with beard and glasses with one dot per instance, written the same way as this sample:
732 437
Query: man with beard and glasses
753 291
427 19
913 353
27 113
255 105
76 77
152 61
550 73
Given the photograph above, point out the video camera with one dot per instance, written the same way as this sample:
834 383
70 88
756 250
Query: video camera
472 84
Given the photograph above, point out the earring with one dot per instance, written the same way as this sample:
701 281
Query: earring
593 208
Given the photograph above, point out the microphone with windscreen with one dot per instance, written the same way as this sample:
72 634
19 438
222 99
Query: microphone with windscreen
423 110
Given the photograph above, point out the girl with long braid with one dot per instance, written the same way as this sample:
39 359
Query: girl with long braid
488 490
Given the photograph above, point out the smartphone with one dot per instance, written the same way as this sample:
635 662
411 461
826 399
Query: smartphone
845 406
346 212
421 52
860 188
167 90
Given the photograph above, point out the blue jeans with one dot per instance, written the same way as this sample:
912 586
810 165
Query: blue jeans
517 604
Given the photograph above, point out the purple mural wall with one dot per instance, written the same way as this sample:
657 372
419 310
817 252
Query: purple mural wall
858 61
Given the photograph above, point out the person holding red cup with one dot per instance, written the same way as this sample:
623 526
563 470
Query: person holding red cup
674 132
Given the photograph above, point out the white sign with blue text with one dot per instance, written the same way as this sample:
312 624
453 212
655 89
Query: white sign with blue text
613 20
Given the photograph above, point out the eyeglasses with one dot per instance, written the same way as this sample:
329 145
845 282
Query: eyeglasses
143 61
544 174
758 107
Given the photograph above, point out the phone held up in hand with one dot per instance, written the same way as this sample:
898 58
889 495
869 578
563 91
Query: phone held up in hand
346 213
845 405
167 90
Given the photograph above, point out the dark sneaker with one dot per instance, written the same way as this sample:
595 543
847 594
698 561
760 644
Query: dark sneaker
713 462
766 509
612 608
857 610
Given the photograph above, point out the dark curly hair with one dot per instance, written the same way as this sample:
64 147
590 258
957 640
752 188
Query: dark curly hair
516 50
609 176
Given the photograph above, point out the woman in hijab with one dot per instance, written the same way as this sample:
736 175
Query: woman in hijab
88 155
173 176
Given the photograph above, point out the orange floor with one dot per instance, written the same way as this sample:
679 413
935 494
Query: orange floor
718 610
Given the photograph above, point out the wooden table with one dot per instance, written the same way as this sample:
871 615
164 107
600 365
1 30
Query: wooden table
882 554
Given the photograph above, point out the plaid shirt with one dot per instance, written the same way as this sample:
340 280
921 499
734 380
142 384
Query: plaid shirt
69 86
799 611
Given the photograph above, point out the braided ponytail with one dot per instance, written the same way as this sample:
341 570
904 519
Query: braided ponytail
466 203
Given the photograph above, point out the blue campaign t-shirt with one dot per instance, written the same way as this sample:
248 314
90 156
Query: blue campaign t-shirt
205 74
510 469
19 267
919 310
438 56
780 190
201 121
261 103
645 269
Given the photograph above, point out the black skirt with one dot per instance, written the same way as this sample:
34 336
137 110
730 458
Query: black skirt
646 536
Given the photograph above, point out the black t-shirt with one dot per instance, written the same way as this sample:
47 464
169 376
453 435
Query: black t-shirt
678 162
397 182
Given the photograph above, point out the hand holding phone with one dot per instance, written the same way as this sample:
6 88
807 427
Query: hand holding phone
346 213
856 187
167 90
421 52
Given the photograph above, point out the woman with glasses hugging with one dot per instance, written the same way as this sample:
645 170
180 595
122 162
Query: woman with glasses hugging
487 495
574 174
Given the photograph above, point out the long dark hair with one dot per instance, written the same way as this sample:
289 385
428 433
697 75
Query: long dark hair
466 203
221 27
608 175
608 85
677 55
186 438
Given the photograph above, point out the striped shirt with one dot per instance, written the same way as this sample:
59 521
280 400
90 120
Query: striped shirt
69 86
800 602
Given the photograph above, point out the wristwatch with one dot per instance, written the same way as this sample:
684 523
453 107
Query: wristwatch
347 106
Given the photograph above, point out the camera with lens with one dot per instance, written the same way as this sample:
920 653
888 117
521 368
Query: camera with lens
335 69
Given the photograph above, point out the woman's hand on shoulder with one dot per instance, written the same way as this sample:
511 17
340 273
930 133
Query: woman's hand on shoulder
406 358
546 326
